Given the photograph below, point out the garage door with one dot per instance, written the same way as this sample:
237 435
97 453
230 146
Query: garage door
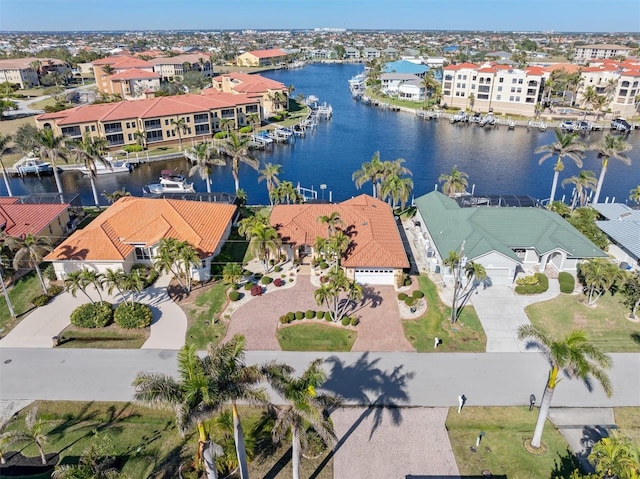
374 276
499 276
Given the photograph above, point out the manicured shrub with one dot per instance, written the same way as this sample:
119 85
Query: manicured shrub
417 294
235 295
290 280
133 316
402 296
92 315
567 283
284 319
49 273
528 280
327 317
220 135
407 281
272 262
248 285
310 314
132 148
235 286
246 129
346 321
278 282
355 321
257 275
324 265
277 269
149 274
55 290
256 290
299 315
540 286
320 314
409 300
266 280
291 316
40 300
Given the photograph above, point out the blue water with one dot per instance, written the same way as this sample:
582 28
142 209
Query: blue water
498 161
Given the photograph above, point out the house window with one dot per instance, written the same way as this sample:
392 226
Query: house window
142 254
520 252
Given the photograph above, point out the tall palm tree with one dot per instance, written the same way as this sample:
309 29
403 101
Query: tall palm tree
585 181
610 147
193 395
108 69
332 221
370 171
4 145
253 119
599 103
30 250
51 148
264 243
180 127
75 281
589 96
114 279
202 159
237 148
600 275
397 189
35 432
270 174
176 257
566 145
634 194
93 278
141 138
89 151
115 195
454 182
575 356
305 408
227 124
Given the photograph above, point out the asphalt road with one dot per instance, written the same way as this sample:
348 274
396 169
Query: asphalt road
402 379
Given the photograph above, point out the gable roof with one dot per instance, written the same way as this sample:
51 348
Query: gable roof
132 221
374 234
485 229
17 219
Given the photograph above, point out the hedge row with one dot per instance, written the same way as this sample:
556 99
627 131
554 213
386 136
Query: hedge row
540 287
311 314
101 314
42 299
567 282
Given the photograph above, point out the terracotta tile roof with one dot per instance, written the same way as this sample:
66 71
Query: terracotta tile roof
18 219
275 52
535 70
134 74
8 200
631 73
375 237
24 63
568 67
244 82
123 62
144 221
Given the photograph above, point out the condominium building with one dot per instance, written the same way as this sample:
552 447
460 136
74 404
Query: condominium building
124 75
26 72
172 68
157 119
586 53
261 58
492 87
272 95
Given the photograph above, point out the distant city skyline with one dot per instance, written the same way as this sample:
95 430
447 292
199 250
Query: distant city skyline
487 15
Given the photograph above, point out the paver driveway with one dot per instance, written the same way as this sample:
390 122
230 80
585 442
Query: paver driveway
380 327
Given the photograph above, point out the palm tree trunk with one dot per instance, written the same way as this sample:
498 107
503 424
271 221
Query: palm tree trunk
208 182
41 450
554 185
6 179
39 273
56 176
295 452
94 191
202 440
542 417
238 437
236 180
603 171
2 458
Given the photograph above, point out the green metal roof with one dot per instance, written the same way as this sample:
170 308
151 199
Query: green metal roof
487 228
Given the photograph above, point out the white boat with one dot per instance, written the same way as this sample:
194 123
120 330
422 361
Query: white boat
110 165
357 85
171 182
30 166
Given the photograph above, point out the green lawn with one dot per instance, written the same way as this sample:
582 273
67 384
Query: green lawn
111 337
605 324
315 337
148 443
505 431
628 421
40 105
20 295
465 335
204 326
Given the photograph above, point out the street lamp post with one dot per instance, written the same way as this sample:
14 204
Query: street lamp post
323 187
457 271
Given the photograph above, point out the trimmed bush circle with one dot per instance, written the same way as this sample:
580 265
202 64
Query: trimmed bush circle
290 316
235 295
417 294
299 315
402 296
277 269
355 321
278 282
327 317
324 265
346 321
409 300
40 300
133 316
266 280
92 315
320 314
256 290
540 286
310 314
248 285
567 283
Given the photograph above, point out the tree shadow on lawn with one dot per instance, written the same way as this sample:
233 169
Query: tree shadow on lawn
364 383
635 337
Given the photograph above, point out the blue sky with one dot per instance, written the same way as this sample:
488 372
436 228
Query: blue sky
504 15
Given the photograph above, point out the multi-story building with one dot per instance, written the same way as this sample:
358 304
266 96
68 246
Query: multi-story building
272 95
156 118
261 58
124 75
27 72
586 53
492 87
369 54
175 67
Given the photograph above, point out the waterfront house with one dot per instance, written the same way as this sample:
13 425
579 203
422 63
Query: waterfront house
256 87
351 53
119 122
369 54
129 231
261 58
505 240
18 219
375 255
406 67
26 72
405 85
622 225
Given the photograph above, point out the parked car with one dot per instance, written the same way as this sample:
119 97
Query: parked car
620 124
568 125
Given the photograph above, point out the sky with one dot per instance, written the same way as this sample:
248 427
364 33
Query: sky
487 15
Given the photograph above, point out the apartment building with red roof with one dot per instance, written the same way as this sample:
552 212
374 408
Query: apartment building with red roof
129 231
20 219
261 58
376 254
118 122
262 89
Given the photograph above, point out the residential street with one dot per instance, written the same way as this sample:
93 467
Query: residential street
403 379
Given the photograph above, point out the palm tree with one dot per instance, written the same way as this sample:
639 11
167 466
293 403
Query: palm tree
237 148
599 103
305 408
614 457
264 242
108 69
30 250
332 221
634 194
253 119
89 151
370 171
270 174
75 281
610 147
114 279
51 148
566 145
35 432
599 276
8 438
575 356
397 189
589 95
141 138
180 127
91 277
200 157
4 145
227 124
585 181
115 195
330 292
193 395
177 257
232 273
454 182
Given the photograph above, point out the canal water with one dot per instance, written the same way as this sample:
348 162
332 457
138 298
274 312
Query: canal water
498 161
